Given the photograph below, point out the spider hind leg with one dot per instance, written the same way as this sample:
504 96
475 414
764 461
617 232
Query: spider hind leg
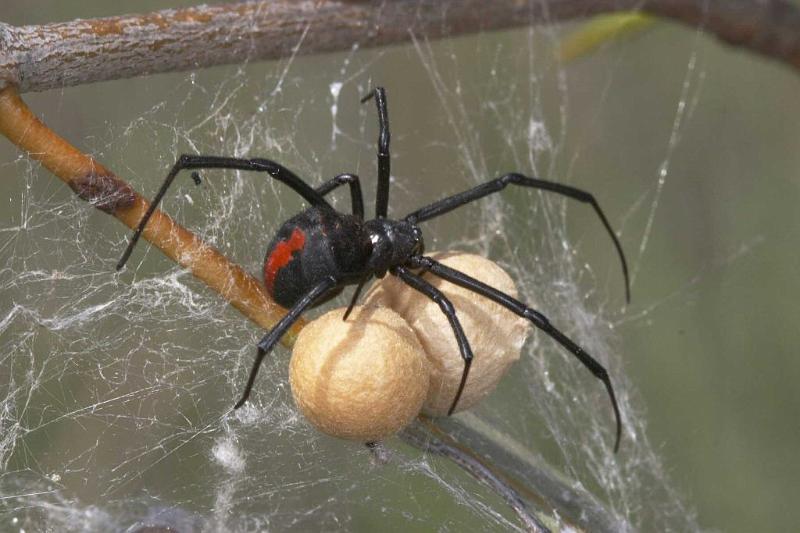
199 162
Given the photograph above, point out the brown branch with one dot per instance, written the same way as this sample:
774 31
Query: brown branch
36 58
102 188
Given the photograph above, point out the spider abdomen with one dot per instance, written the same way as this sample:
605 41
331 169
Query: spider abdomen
311 246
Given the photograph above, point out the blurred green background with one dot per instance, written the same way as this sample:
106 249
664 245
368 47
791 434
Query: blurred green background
709 342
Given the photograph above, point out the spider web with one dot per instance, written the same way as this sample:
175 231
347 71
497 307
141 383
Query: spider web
117 388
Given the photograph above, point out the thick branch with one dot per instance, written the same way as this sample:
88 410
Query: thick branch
102 188
36 58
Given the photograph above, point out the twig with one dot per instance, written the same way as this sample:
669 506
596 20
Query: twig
104 190
529 475
36 58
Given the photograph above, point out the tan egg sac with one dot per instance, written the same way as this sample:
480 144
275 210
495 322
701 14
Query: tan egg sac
495 334
363 379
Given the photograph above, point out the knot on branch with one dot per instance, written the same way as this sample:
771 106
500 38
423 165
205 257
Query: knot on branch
104 191
9 72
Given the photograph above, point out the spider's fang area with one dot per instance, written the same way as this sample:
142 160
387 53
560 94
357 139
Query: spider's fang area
196 178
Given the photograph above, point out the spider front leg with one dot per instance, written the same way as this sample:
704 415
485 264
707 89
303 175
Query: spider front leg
446 205
419 284
539 320
188 162
384 159
279 330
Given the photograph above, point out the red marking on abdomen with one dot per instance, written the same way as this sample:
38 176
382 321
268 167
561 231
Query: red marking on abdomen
282 256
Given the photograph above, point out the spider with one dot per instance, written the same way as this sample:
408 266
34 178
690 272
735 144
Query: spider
318 252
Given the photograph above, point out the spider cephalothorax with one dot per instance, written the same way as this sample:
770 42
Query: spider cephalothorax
318 252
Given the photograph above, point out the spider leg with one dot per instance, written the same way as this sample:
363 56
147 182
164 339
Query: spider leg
270 339
520 309
446 205
384 160
356 197
275 170
419 284
355 296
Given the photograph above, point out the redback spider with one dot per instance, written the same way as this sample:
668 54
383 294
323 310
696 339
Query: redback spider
316 253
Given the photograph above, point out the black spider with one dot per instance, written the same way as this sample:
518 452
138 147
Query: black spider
319 251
